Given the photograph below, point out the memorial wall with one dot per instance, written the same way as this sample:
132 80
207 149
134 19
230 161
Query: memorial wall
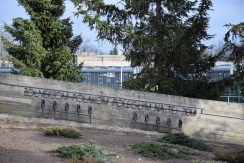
43 98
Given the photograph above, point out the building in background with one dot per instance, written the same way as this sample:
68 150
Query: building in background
91 59
5 65
4 62
221 70
109 76
105 70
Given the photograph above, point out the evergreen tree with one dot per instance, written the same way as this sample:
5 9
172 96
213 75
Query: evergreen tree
234 47
234 43
44 44
164 37
114 51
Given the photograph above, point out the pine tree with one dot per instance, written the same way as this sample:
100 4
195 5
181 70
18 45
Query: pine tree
44 44
164 37
234 49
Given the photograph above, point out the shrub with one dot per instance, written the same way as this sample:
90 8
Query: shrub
182 139
162 150
232 157
61 131
83 152
72 151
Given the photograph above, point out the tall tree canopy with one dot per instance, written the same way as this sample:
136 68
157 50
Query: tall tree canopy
44 44
234 48
164 37
234 43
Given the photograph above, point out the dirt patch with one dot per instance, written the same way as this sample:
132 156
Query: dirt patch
31 146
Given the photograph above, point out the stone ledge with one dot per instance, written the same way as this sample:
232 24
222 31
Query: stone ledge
11 121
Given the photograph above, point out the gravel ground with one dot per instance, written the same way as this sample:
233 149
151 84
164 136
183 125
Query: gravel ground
31 146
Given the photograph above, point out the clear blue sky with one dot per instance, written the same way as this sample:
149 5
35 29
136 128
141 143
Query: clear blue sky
225 11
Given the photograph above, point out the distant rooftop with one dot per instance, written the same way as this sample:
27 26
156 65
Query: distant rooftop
106 69
91 59
223 67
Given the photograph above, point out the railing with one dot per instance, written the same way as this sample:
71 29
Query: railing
233 98
66 111
157 123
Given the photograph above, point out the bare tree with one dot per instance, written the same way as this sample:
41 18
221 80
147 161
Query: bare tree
88 46
3 33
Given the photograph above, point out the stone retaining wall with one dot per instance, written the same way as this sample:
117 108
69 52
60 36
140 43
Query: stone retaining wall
206 119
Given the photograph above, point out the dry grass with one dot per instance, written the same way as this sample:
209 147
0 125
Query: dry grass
61 131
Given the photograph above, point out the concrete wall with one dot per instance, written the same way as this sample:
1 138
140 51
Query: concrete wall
206 119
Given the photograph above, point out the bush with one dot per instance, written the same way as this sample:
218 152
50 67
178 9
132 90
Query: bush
83 152
182 139
232 157
162 150
61 131
72 151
